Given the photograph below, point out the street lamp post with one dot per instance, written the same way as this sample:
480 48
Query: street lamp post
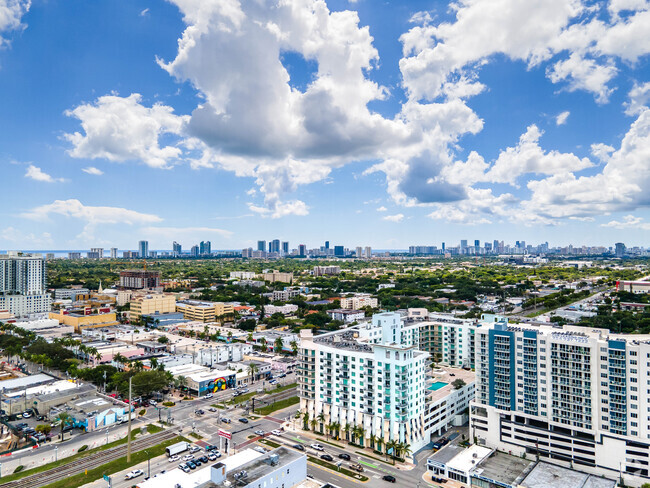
107 436
56 453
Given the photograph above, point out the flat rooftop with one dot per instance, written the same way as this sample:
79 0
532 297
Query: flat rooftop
445 374
546 475
26 381
260 466
504 468
468 458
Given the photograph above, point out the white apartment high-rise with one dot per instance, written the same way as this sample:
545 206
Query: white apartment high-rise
370 376
573 395
113 253
22 283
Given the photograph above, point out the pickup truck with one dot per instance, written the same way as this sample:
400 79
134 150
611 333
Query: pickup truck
356 467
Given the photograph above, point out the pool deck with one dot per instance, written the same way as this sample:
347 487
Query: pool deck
447 375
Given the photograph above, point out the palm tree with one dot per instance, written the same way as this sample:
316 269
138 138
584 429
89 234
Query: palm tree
379 440
249 337
278 345
263 343
403 449
321 419
347 430
313 423
328 430
154 363
361 432
252 369
336 427
230 336
373 440
119 359
65 419
294 347
391 445
305 420
181 381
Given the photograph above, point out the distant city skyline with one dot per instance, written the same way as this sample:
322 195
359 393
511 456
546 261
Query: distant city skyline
421 123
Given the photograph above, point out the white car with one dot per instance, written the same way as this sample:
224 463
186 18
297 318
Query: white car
26 415
174 458
153 403
259 449
195 449
318 447
134 474
188 457
209 395
276 432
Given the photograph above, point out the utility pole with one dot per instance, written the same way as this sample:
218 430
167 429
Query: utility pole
128 441
104 381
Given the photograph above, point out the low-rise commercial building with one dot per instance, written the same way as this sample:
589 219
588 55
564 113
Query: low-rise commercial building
157 303
346 316
200 380
85 321
204 311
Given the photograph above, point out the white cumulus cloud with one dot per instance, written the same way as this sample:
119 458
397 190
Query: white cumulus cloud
394 218
36 173
11 14
562 118
91 170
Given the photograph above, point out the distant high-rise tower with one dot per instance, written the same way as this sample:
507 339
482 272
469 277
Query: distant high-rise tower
194 252
205 248
359 252
261 246
327 244
368 252
285 248
302 250
143 249
113 253
275 246
97 252
176 249
620 249
339 251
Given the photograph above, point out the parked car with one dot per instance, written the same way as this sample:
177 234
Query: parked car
390 478
184 467
134 474
300 447
212 456
318 447
209 395
174 458
225 420
440 443
210 447
259 432
276 432
188 457
212 409
153 403
435 479
273 382
203 459
327 457
344 456
259 449
195 449
243 420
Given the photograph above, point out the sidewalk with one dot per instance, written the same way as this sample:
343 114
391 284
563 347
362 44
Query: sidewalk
368 452
447 484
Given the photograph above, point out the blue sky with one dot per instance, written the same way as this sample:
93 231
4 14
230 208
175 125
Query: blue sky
363 123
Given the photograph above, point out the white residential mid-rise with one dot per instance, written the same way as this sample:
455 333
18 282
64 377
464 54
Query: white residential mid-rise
369 376
22 284
574 395
358 302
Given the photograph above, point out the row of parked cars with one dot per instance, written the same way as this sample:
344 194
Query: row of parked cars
327 457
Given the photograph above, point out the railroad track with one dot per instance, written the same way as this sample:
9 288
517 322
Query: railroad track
88 463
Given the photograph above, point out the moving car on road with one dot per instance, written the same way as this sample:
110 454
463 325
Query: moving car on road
299 447
243 420
344 456
134 474
174 458
318 447
276 432
327 457
390 478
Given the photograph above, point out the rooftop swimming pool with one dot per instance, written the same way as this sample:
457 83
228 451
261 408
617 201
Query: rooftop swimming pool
437 385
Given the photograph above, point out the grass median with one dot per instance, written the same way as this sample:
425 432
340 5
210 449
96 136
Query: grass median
152 429
279 405
335 468
247 396
115 466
